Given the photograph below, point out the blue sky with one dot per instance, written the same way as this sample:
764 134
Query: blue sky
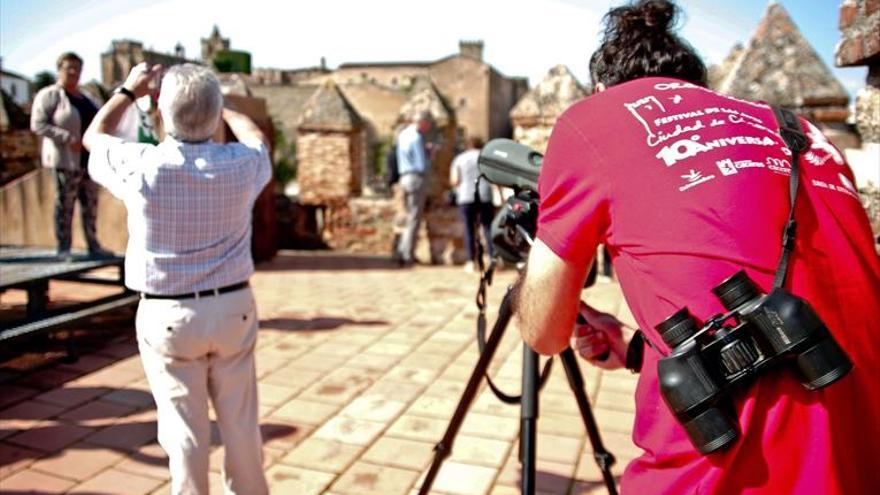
522 37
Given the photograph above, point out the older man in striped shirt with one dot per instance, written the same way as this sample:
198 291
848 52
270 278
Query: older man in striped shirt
189 204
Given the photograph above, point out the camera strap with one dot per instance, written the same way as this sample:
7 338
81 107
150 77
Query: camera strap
792 133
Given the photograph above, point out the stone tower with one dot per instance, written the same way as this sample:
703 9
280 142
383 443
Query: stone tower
779 66
117 62
860 45
213 44
330 148
473 49
536 112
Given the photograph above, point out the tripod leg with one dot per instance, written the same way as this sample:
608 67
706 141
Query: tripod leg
604 459
529 419
444 448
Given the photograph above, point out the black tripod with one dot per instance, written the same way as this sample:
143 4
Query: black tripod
529 409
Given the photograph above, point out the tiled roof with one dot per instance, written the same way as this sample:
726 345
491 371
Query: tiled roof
328 109
424 96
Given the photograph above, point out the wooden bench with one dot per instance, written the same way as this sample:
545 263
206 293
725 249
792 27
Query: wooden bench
30 269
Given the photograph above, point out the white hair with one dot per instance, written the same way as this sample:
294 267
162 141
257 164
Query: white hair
190 102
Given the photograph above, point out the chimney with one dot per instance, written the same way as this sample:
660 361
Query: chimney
473 49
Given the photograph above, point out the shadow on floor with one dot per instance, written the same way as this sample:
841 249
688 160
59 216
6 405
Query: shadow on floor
319 323
553 483
118 437
326 260
37 492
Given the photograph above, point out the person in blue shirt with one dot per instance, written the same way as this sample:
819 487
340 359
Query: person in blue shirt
412 163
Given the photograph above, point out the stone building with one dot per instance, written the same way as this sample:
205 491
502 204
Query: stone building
276 77
213 44
465 95
16 86
480 95
860 45
717 73
330 148
778 65
117 62
535 114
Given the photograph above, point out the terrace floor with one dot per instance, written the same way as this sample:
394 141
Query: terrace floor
360 367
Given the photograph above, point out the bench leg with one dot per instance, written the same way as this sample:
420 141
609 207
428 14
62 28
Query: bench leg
38 298
72 351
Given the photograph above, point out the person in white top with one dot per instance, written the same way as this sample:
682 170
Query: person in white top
473 207
189 203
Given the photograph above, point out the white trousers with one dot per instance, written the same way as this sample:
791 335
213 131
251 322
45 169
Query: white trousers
194 350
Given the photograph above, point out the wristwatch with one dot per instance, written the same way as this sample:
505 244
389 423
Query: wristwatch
122 90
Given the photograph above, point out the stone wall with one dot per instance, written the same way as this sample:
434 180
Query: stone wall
534 136
868 108
361 225
443 235
326 173
266 76
19 153
860 45
27 210
464 83
859 23
503 94
378 105
285 105
392 75
442 227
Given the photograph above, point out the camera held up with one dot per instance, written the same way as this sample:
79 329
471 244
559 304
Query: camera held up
707 363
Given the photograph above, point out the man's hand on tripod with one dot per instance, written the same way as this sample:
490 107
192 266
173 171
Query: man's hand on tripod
600 340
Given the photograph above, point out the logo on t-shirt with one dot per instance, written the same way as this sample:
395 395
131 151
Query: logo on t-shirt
821 150
778 165
694 178
730 167
726 166
847 184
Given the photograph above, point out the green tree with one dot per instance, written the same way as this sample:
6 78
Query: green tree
285 157
43 79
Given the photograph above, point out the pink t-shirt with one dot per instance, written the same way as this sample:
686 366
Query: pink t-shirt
687 186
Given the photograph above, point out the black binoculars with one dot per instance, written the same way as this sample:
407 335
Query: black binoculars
760 330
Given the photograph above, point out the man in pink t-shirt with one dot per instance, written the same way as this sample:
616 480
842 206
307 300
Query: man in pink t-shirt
686 187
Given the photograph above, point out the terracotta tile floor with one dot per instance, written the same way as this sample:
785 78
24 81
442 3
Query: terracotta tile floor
361 366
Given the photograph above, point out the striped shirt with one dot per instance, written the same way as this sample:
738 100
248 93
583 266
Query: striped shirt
189 209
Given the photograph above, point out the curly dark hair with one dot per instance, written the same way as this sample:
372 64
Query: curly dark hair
639 42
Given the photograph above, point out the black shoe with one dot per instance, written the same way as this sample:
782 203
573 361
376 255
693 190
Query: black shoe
99 253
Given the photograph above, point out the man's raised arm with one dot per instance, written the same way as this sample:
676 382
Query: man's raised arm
243 128
107 119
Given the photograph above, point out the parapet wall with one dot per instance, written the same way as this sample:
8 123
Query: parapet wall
27 207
